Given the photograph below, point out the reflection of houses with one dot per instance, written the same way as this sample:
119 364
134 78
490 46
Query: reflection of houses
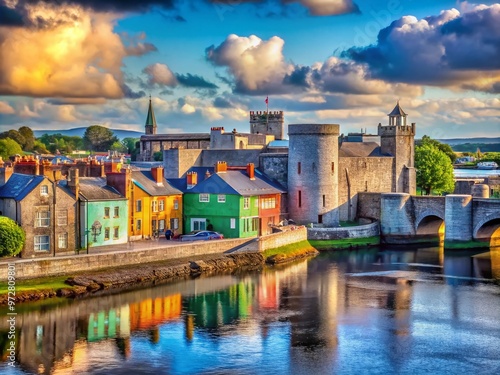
236 201
103 211
44 210
150 313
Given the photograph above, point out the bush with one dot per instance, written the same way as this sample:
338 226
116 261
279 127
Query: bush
12 237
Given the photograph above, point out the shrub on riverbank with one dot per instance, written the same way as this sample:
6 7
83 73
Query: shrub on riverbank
12 237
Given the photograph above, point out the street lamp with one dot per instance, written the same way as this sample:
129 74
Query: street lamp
96 229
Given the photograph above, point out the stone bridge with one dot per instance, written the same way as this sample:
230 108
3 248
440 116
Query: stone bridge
461 218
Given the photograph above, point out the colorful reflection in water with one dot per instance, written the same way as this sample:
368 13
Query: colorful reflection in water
387 311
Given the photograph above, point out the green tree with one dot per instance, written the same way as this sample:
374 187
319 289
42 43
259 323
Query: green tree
434 170
14 135
99 138
29 138
158 156
40 147
130 144
13 237
446 148
9 147
118 146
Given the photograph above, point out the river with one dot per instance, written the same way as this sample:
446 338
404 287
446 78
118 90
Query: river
475 173
380 311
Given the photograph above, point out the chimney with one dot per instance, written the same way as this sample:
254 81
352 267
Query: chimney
157 173
192 179
221 167
120 181
74 181
251 171
1 162
5 173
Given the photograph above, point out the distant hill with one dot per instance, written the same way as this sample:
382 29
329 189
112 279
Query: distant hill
120 133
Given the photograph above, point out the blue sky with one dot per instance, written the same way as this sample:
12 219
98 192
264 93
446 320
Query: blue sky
73 63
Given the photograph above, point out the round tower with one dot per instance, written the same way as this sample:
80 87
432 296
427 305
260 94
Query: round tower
313 160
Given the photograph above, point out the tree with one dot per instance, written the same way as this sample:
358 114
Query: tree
14 135
118 146
40 147
130 144
434 170
29 138
446 148
13 237
99 138
9 147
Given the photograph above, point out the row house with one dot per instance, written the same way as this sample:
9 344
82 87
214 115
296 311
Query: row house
238 202
154 205
44 209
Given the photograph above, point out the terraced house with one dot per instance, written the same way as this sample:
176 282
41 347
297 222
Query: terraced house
238 202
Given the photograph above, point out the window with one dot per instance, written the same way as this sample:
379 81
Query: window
324 200
44 190
320 219
62 217
256 202
333 167
106 212
161 225
204 197
299 168
62 241
161 205
106 233
246 203
42 219
42 243
117 212
221 198
116 233
255 224
300 198
174 223
154 206
232 223
138 205
268 203
198 224
138 225
176 204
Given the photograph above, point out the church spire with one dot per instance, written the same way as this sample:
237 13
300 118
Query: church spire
151 120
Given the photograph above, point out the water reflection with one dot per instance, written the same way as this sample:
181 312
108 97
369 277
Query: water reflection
343 311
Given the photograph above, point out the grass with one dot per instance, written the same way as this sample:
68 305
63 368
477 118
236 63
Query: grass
465 245
288 252
35 285
345 243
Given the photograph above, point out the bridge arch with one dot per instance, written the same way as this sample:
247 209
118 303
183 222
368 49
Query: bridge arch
430 223
488 229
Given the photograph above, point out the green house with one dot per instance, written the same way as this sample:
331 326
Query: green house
227 202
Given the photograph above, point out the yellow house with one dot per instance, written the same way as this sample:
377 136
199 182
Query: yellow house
154 205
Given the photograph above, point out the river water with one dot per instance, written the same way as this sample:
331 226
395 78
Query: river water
377 311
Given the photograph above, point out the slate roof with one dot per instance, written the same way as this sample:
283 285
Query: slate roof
19 186
397 111
145 181
359 149
151 119
95 189
237 182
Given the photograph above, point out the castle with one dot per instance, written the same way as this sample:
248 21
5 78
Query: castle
321 171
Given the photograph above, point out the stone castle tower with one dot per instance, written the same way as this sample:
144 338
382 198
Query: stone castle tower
151 120
398 139
313 160
264 122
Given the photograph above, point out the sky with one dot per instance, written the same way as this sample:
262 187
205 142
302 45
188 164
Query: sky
74 63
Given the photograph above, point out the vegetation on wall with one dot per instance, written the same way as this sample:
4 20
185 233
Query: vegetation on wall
12 237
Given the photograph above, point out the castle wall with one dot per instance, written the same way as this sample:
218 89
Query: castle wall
275 166
176 162
361 174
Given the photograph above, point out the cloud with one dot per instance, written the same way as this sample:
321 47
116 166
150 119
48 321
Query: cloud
6 109
449 50
327 7
190 80
160 75
71 52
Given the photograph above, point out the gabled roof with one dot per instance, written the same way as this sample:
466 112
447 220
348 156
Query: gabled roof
397 111
236 182
146 181
151 119
20 185
359 149
96 189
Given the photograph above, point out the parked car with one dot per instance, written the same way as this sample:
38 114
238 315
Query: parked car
202 236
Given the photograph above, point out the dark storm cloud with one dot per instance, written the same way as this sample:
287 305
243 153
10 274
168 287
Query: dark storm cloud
129 93
222 103
298 77
452 49
192 80
10 17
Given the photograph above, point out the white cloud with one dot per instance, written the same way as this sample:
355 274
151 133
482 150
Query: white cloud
160 74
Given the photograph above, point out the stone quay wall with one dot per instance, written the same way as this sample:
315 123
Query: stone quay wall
35 268
360 231
274 240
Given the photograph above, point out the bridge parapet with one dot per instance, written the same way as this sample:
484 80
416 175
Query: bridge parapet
458 217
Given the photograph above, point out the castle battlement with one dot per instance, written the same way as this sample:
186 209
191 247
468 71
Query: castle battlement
272 115
217 129
393 130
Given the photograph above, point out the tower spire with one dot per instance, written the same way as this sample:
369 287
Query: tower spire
151 119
